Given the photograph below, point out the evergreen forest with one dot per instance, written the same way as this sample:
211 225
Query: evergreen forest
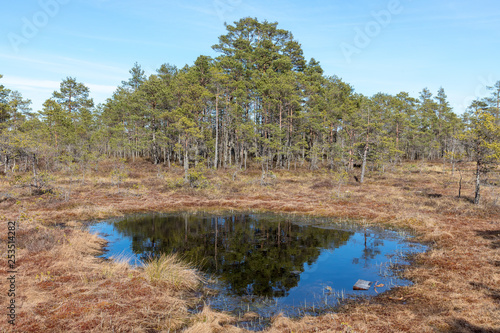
260 103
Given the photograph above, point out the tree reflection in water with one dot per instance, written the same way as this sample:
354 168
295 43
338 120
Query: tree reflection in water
255 254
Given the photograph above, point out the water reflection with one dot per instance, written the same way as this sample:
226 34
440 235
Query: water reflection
253 255
266 263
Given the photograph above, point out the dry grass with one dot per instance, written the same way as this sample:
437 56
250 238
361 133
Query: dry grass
64 288
170 272
208 321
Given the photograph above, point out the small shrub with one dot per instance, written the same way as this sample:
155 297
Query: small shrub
119 173
339 179
176 182
38 184
268 178
196 177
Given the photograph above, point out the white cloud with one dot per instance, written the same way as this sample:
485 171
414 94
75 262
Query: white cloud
14 83
58 64
40 90
20 83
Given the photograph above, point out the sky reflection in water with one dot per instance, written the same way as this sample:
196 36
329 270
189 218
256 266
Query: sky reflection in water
266 263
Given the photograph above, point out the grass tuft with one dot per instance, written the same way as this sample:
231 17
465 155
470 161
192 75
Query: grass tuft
170 271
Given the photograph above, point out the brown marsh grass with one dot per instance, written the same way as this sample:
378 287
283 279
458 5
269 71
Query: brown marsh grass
63 287
170 272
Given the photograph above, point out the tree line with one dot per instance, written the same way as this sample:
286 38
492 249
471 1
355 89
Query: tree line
260 101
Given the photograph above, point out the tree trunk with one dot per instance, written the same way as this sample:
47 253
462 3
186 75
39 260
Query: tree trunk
35 178
478 183
197 150
246 154
230 153
216 129
186 162
363 166
226 144
460 186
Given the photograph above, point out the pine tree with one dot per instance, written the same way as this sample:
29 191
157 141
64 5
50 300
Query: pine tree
483 138
494 100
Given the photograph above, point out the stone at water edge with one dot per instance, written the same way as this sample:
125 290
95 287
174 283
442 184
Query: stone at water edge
362 285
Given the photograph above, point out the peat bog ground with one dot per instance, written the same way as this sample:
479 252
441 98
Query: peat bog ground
62 287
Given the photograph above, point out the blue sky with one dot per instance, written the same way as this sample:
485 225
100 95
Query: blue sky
376 46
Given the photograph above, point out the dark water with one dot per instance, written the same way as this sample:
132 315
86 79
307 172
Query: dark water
267 263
